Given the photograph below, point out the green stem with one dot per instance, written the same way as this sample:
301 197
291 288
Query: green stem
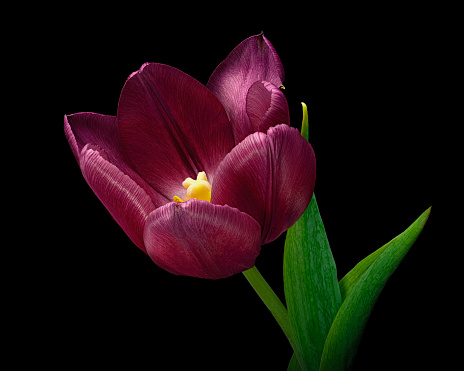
271 301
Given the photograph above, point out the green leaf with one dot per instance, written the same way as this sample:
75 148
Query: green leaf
304 124
311 286
294 365
348 282
361 288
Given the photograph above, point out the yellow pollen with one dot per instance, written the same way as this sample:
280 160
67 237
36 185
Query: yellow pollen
199 189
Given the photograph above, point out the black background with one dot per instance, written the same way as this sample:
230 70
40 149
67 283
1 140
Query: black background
369 76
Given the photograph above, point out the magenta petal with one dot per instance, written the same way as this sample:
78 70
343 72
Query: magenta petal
266 106
255 59
171 127
270 177
126 201
93 129
199 239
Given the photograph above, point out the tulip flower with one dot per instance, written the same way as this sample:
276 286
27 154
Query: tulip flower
199 177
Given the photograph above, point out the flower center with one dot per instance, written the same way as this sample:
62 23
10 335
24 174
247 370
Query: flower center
199 189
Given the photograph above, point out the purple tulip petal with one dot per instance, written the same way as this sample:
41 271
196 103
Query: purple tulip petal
95 129
255 59
101 131
126 201
270 177
266 106
171 127
199 239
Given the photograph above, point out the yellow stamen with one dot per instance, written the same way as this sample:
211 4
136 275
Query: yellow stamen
199 189
177 199
187 182
202 176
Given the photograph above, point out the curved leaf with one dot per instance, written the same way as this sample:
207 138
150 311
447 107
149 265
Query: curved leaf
294 365
361 288
348 282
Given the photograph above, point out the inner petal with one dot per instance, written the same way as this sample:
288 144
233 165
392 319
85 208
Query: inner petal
270 177
266 106
171 126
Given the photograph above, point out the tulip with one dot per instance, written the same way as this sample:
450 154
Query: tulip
199 177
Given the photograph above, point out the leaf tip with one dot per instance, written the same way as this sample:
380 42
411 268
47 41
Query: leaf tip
425 215
304 123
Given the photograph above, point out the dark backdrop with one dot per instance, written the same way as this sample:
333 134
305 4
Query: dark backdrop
368 76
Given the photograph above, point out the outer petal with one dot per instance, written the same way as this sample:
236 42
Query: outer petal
171 127
127 202
266 106
199 239
87 128
254 59
270 177
95 129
